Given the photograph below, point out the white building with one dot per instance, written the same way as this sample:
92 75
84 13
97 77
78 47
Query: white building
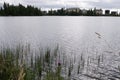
99 11
73 10
84 11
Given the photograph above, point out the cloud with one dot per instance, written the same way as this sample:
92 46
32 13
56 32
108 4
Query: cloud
106 4
68 3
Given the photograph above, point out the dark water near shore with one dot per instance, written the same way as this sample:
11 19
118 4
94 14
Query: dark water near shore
75 35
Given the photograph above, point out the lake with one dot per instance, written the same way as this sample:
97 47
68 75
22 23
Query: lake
76 35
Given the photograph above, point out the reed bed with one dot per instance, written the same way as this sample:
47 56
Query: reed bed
21 63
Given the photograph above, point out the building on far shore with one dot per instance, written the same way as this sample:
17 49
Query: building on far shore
114 13
84 12
73 10
99 11
107 12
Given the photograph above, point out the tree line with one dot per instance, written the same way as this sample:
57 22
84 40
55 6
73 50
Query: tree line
19 10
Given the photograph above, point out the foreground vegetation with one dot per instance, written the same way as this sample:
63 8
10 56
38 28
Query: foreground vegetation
21 63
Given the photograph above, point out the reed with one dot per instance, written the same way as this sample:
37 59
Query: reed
19 63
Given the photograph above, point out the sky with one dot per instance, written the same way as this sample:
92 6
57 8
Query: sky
104 4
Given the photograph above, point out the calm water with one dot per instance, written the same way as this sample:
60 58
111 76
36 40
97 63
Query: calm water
75 35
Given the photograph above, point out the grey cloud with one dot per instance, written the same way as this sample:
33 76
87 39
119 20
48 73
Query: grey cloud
69 3
110 5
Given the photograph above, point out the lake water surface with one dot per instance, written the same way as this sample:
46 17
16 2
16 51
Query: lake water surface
75 35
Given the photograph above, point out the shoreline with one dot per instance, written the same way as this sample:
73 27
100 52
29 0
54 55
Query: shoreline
60 16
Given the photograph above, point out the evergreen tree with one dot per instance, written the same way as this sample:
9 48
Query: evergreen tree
20 10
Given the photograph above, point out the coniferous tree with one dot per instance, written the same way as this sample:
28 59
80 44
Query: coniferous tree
20 10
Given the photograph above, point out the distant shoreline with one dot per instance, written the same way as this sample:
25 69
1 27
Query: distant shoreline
59 16
20 10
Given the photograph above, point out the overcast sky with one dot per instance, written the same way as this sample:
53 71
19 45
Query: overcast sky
111 4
